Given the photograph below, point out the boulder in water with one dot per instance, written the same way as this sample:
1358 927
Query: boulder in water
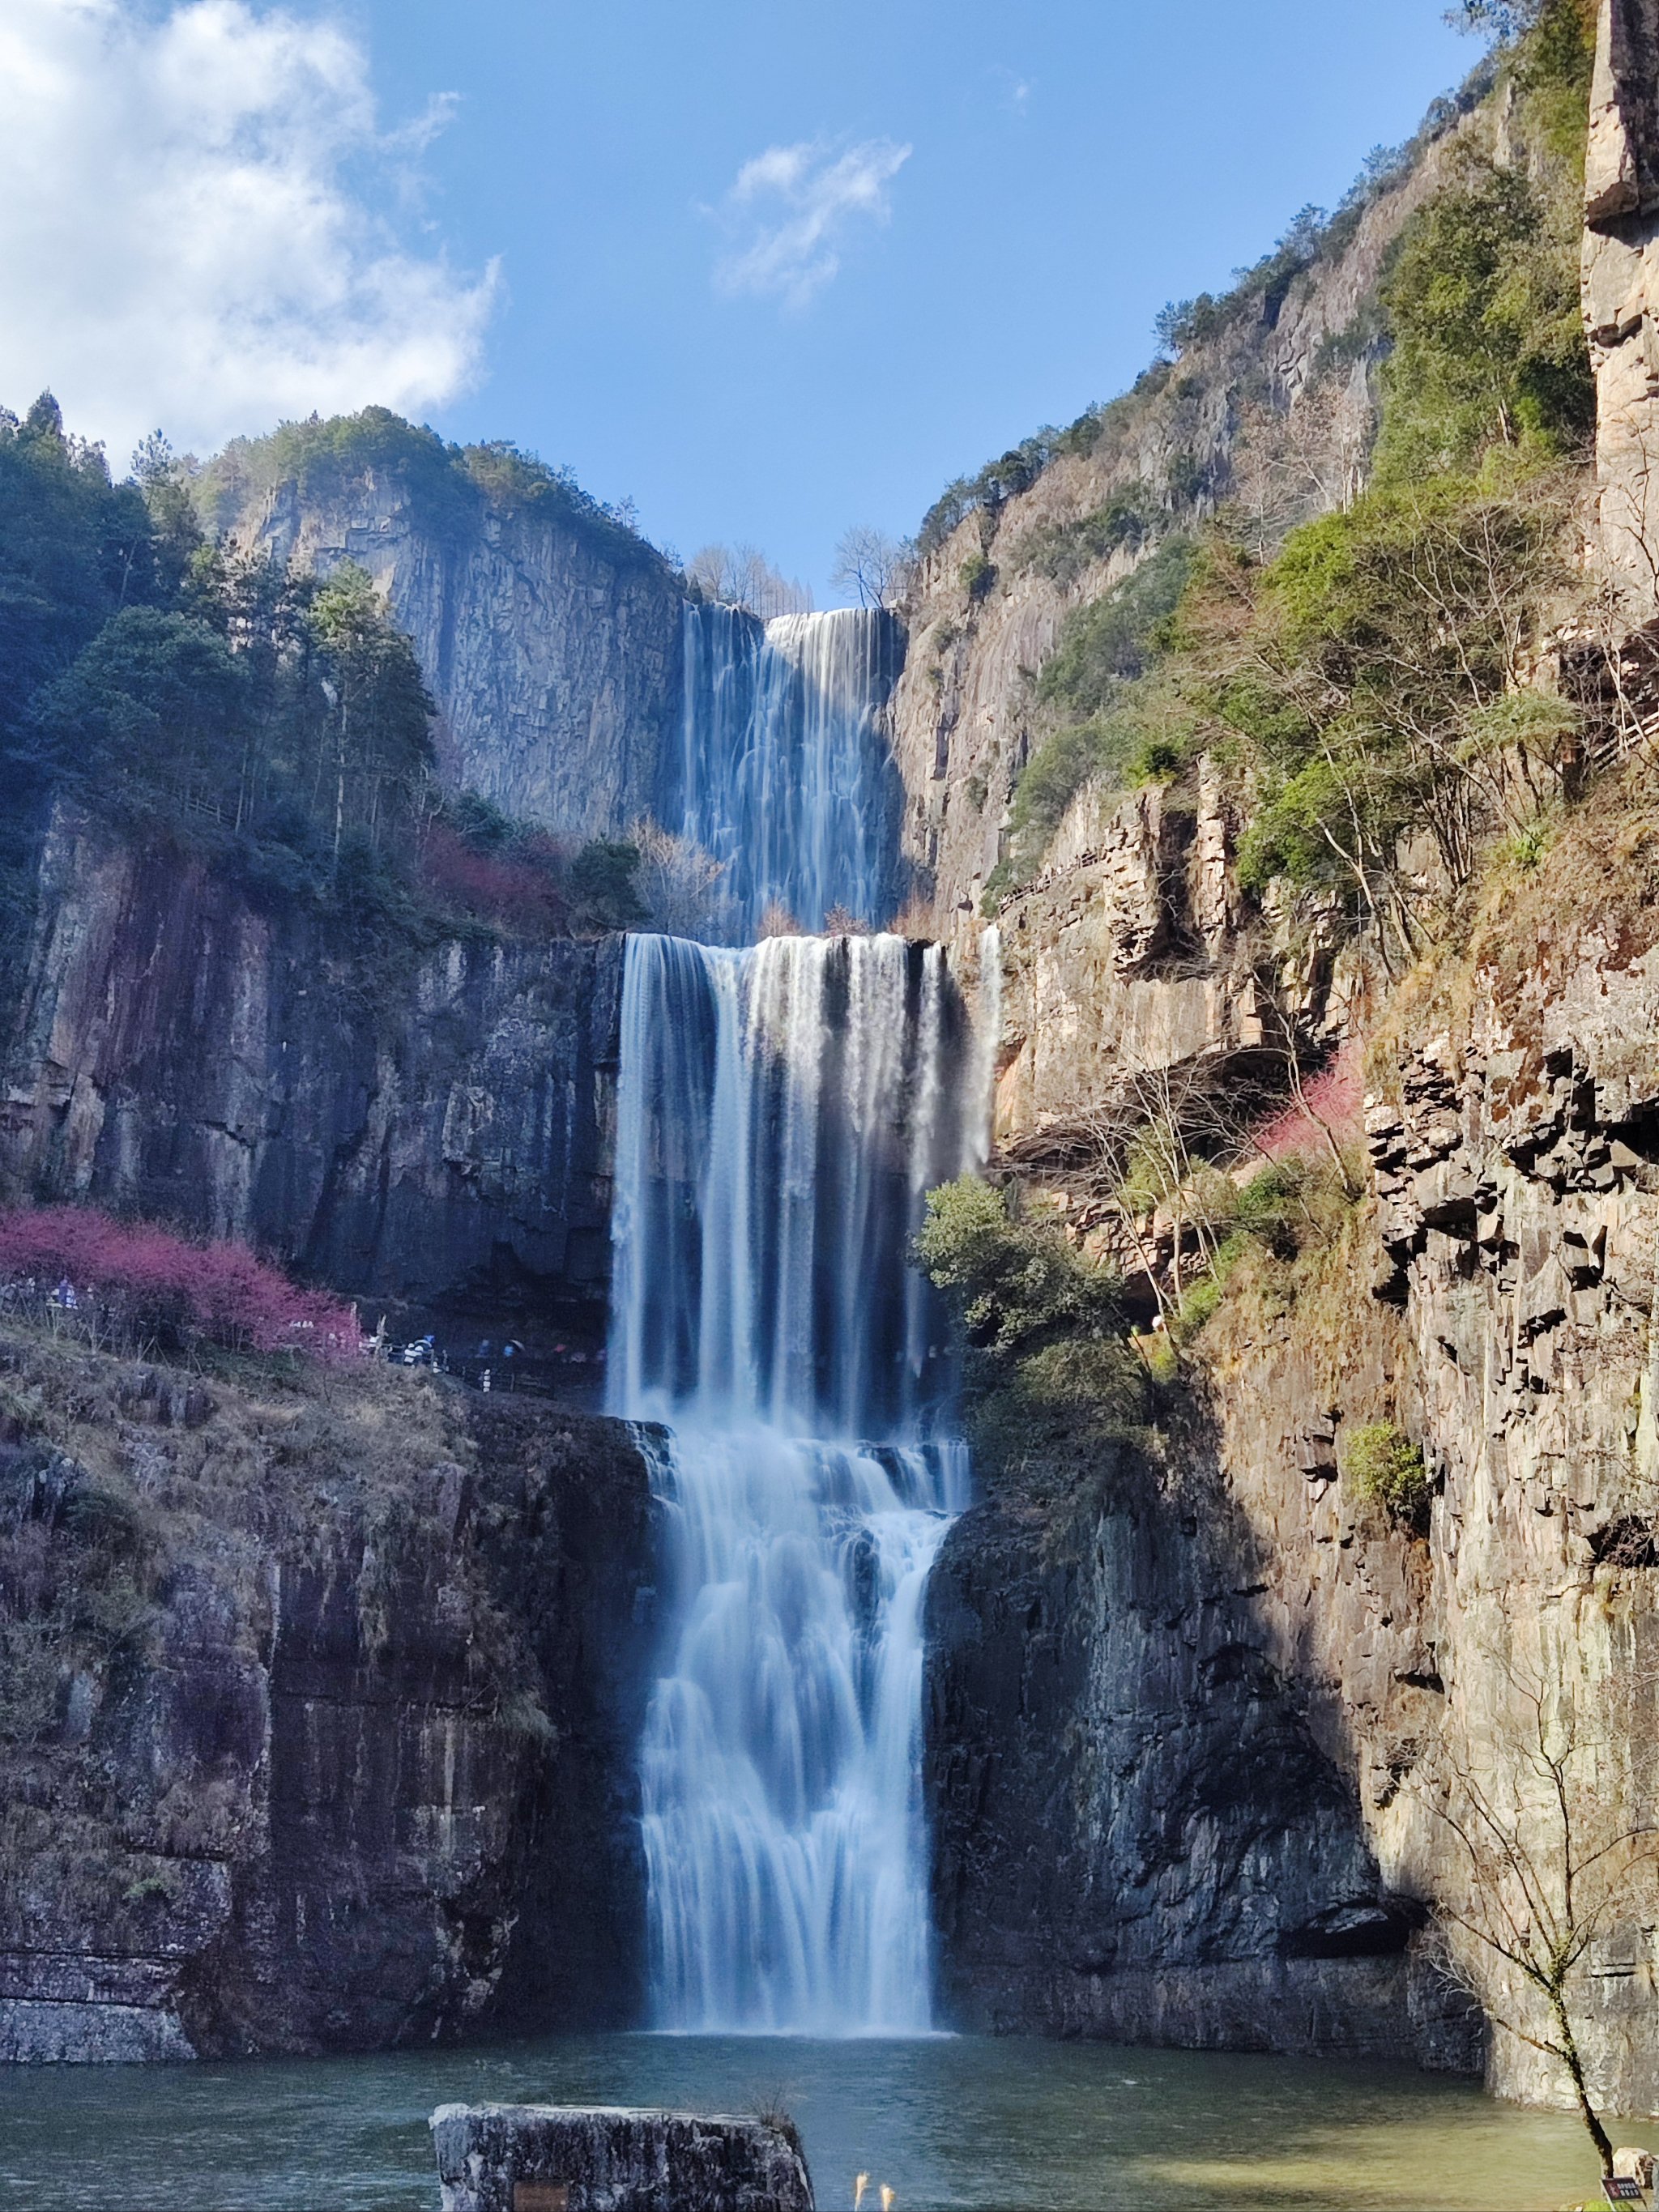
568 2158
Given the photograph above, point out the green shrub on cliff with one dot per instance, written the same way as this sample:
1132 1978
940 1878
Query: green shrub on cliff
1062 550
1482 300
1112 639
1045 1369
1367 682
1384 1468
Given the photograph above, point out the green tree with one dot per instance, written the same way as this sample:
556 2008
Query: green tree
176 536
1488 337
603 884
1047 1367
146 719
375 741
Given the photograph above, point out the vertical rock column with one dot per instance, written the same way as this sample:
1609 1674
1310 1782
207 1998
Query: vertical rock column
1621 291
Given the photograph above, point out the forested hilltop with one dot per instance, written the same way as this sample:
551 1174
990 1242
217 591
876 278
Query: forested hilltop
247 710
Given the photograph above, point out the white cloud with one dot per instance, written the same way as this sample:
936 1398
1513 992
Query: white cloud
187 234
791 207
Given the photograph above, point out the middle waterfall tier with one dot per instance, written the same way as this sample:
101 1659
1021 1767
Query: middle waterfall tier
781 1113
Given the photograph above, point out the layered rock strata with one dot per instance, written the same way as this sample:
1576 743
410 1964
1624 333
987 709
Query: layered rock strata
313 1742
429 1129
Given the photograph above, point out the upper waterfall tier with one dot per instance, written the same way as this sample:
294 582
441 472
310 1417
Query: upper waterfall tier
785 772
781 1111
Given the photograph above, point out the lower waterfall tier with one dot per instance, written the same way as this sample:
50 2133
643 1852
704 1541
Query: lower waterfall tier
781 1113
781 1762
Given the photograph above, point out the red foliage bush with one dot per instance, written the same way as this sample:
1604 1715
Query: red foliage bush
172 1286
518 889
1333 1097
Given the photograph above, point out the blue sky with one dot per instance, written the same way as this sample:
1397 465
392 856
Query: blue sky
828 346
1072 167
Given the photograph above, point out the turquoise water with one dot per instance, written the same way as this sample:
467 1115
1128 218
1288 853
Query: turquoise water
948 2123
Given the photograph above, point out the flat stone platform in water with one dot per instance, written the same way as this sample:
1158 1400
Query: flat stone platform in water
610 2157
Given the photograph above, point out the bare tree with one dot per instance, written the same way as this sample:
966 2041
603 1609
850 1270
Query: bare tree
683 887
742 576
1549 1862
1289 464
871 563
1151 1154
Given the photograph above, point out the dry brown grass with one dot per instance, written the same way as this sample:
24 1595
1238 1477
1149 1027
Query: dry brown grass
156 1465
1593 886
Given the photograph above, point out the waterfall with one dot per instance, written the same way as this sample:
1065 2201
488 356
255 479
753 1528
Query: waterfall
780 1111
784 772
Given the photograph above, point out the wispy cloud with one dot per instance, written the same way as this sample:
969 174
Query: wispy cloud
791 208
195 224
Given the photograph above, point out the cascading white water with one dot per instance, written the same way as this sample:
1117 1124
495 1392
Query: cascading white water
784 773
781 1112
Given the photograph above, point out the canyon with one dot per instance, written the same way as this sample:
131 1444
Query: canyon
371 1775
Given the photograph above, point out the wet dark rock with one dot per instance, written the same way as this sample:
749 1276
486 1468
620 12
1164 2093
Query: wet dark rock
553 2158
362 1776
1138 1832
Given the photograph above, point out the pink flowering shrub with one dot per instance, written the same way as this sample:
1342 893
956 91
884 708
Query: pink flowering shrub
1333 1097
169 1285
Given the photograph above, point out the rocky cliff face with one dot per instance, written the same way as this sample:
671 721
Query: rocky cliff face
1142 1830
1277 412
432 1128
552 650
1621 285
1182 1730
1188 1724
1129 954
1518 1208
319 1717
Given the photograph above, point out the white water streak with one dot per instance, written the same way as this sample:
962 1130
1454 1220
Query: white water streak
787 776
781 1113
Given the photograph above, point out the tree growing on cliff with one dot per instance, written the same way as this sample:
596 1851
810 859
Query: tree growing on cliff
375 744
871 563
1551 1859
1048 1375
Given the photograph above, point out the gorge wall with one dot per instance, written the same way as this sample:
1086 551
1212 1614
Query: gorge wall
1176 1722
549 633
430 1128
319 1727
1277 412
1184 1718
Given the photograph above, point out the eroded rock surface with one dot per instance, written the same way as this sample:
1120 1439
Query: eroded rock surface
352 1764
435 1129
553 2158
